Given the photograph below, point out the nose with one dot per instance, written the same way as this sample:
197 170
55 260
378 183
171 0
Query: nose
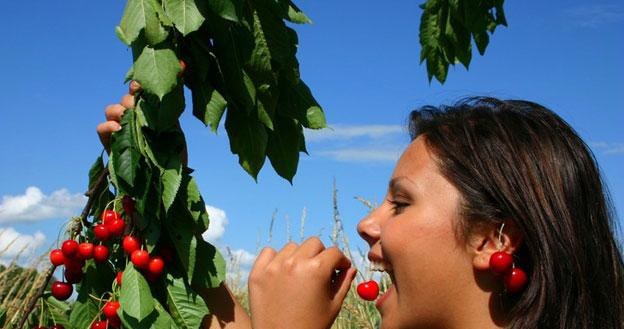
369 228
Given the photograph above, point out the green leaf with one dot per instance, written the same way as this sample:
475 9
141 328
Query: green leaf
208 105
135 298
124 156
298 103
151 234
193 203
203 264
163 319
248 139
129 75
163 115
97 280
482 40
228 9
58 310
187 308
185 15
126 165
171 178
283 147
212 265
156 70
295 15
96 170
141 15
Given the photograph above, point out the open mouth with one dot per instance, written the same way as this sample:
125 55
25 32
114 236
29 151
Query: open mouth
386 280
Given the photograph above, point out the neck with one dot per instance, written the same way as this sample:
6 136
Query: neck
480 307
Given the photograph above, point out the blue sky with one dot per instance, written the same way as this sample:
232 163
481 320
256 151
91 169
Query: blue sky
61 65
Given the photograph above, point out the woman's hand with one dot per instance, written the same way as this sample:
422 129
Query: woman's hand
113 115
300 287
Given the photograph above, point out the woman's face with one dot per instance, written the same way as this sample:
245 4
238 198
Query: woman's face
413 234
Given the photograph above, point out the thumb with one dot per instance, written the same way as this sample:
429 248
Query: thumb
343 284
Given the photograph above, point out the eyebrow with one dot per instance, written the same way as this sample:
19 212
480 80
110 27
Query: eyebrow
396 182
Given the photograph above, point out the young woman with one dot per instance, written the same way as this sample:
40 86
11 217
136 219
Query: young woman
481 179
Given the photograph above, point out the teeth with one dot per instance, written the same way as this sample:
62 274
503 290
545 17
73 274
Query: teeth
377 267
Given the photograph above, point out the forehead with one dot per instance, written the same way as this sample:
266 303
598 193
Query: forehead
416 161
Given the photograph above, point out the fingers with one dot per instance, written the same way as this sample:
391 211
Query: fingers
343 284
285 254
310 248
334 257
105 130
265 257
127 101
114 112
134 87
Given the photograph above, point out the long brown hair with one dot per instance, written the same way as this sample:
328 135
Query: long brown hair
517 160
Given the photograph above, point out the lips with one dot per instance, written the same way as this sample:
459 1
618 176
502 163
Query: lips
384 297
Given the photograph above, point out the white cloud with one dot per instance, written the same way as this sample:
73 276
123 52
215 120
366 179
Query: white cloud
348 132
363 154
359 143
218 221
595 15
241 257
14 243
607 148
239 264
33 205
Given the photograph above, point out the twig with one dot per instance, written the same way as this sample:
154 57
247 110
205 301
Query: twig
50 271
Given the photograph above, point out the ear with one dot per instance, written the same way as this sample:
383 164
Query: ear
485 242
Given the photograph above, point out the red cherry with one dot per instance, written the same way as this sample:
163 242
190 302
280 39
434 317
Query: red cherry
140 258
110 310
128 205
108 216
72 276
85 250
515 280
156 266
100 253
166 254
56 257
57 326
114 323
61 290
74 264
101 232
69 248
118 278
151 277
116 227
500 262
99 325
182 68
368 290
130 244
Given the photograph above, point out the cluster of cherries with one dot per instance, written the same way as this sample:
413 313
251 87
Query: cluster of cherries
73 255
514 278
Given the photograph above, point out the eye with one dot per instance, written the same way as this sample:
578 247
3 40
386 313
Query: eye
397 206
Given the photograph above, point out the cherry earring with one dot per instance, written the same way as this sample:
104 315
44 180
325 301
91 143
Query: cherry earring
502 263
